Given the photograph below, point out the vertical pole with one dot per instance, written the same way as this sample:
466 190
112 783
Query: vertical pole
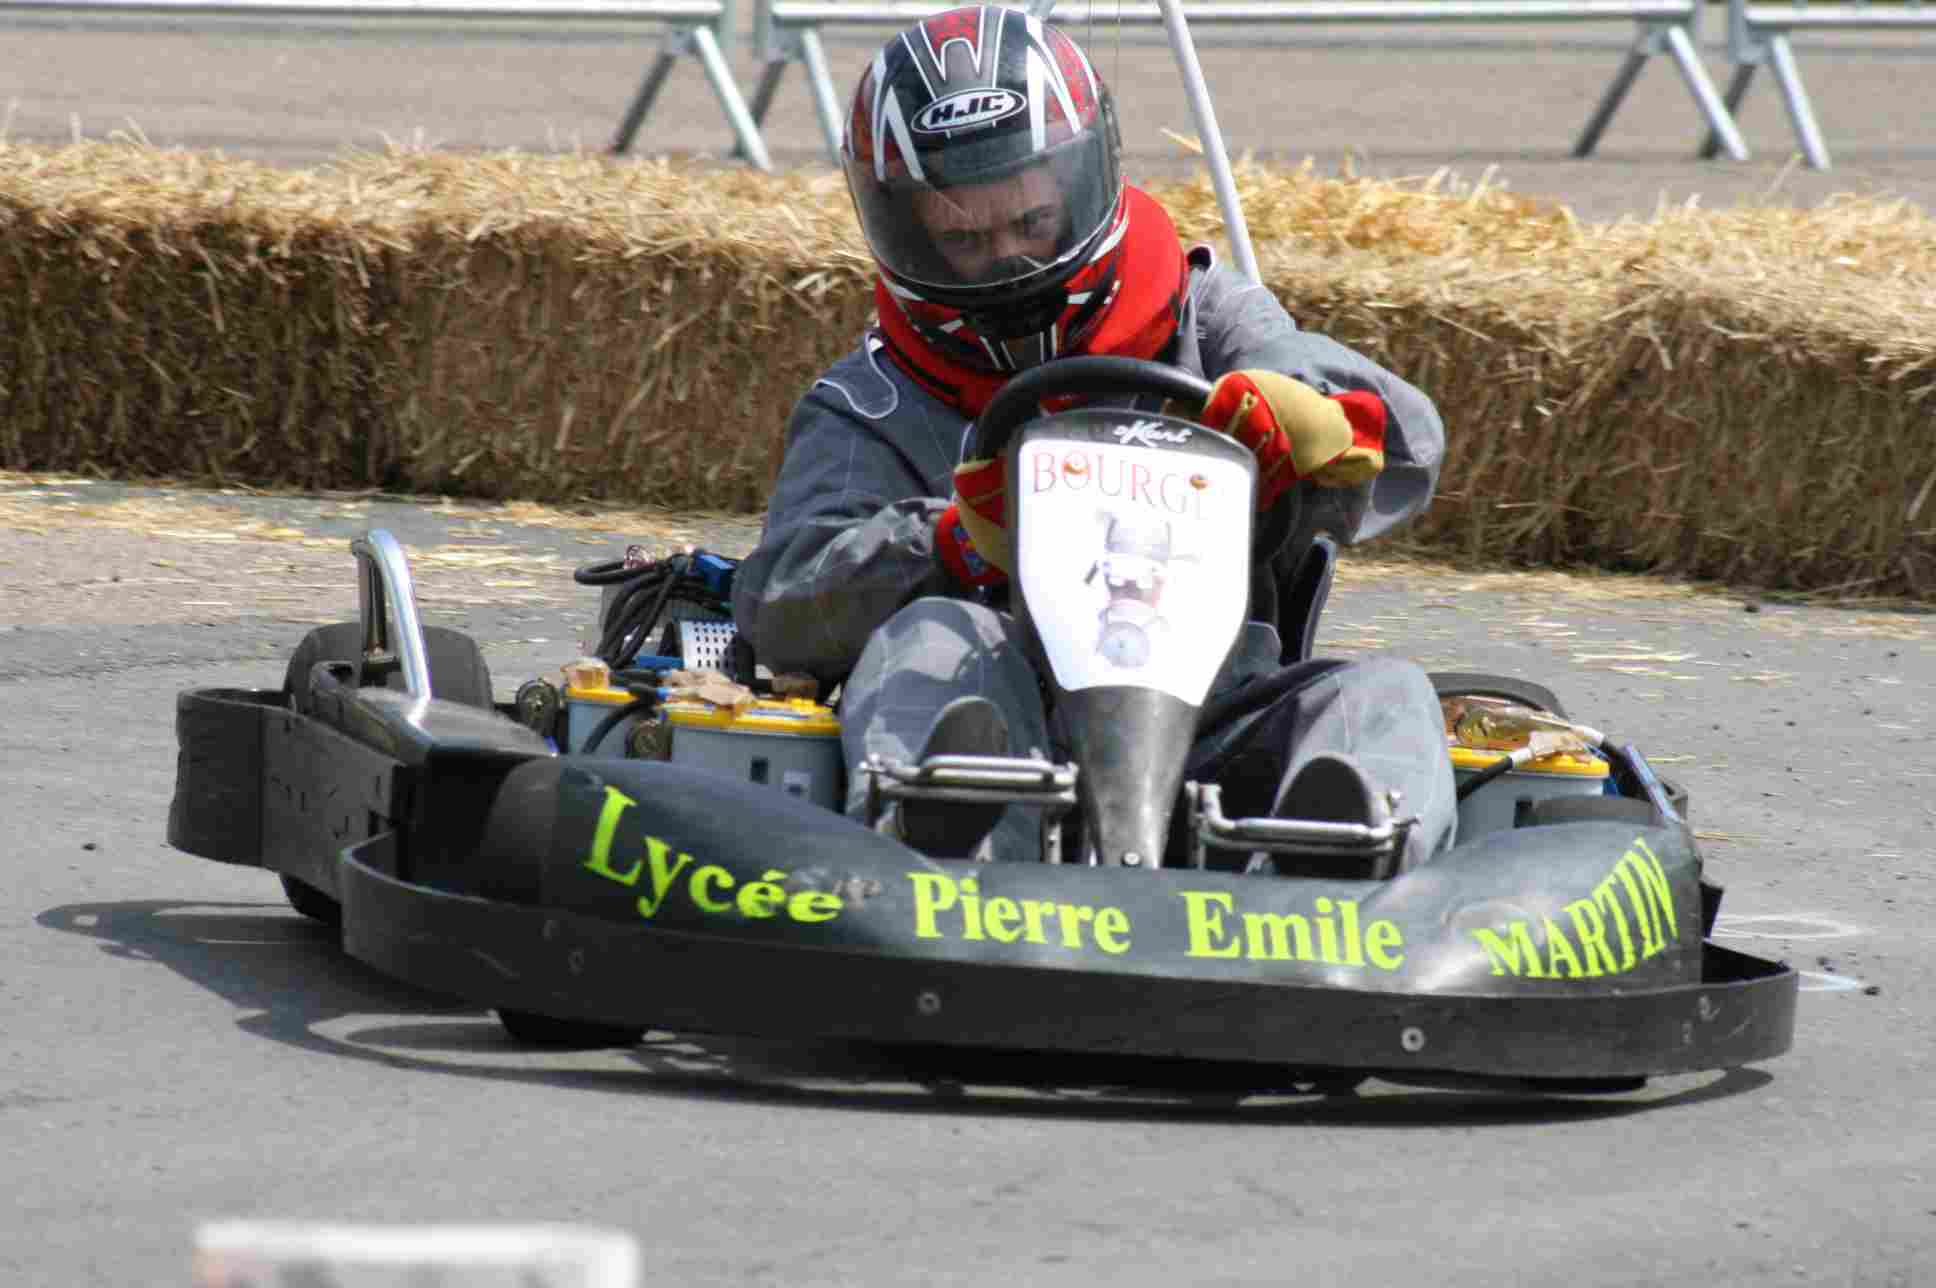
642 102
726 90
1610 101
768 86
1737 90
822 83
762 100
1789 77
1741 44
1719 119
763 35
1206 120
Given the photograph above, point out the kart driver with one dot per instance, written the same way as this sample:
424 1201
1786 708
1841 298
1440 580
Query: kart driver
982 156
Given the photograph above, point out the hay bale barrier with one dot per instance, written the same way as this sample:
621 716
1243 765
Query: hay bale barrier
1743 396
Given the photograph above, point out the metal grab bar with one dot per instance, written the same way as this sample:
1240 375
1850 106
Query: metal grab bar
386 593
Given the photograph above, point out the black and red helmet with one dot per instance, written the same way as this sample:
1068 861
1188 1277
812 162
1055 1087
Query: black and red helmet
984 161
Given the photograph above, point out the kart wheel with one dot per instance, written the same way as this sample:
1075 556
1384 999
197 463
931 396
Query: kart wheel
1455 683
534 1029
312 903
457 669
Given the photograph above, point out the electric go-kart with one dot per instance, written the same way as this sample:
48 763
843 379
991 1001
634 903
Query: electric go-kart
692 871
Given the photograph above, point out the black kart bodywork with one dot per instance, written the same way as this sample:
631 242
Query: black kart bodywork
603 895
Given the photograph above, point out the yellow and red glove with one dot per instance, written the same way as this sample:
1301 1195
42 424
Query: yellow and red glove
1298 433
971 536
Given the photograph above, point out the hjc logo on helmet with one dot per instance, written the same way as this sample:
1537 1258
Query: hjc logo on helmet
968 109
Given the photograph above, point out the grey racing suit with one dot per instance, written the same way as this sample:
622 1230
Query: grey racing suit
845 583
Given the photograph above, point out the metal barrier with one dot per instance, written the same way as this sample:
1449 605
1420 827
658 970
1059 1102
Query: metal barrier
1758 33
696 27
788 31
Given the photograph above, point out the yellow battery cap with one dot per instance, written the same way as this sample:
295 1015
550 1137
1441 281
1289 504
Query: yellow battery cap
800 717
1472 758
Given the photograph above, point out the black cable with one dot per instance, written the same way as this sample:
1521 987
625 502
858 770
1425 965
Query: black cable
627 624
1497 769
612 721
608 572
623 619
645 592
659 605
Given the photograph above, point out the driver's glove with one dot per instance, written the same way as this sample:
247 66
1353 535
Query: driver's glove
971 535
1298 433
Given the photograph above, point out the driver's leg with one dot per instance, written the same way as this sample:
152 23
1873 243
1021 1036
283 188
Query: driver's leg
1381 712
928 654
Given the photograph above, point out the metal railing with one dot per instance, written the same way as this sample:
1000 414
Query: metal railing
699 28
788 31
1758 34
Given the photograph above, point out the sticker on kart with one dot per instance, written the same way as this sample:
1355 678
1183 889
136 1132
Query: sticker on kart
1133 552
1620 915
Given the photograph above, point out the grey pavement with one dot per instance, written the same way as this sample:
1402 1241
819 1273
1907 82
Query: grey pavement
181 1047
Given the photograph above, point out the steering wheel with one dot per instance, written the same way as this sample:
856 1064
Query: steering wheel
1019 400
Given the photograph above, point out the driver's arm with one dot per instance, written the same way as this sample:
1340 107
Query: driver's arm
848 540
1241 326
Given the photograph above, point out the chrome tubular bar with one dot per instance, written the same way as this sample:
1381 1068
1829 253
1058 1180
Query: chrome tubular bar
387 599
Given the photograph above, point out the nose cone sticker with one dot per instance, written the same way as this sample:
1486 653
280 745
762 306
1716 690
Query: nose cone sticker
1134 560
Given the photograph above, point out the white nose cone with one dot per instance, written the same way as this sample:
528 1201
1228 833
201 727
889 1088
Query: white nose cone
1135 560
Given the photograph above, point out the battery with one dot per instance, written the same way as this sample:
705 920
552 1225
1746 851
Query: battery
791 744
1494 807
589 698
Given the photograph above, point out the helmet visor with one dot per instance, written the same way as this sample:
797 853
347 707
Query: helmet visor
977 223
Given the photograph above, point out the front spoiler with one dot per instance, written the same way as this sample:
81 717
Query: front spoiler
574 966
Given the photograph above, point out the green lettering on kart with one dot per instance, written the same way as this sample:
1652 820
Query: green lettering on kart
1596 926
711 890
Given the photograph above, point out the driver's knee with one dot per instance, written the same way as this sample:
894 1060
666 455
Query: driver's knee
929 653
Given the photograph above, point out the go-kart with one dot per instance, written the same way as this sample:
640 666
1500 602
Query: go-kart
466 847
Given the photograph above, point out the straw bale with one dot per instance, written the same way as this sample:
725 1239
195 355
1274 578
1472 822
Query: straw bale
575 327
1738 395
168 312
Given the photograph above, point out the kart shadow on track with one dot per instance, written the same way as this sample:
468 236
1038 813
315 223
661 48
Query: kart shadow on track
292 985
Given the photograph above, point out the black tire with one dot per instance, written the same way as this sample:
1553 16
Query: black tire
458 672
533 1029
1512 688
312 903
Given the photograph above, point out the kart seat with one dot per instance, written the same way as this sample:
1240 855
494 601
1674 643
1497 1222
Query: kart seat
1301 596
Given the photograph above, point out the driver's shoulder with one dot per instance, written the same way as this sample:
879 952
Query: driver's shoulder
862 383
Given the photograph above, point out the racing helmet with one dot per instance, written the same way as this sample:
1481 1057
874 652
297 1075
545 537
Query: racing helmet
984 160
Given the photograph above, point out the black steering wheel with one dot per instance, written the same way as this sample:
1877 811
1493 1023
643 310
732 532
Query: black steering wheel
1020 399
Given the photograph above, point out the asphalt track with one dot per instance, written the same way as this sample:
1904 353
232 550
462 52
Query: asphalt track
180 1047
